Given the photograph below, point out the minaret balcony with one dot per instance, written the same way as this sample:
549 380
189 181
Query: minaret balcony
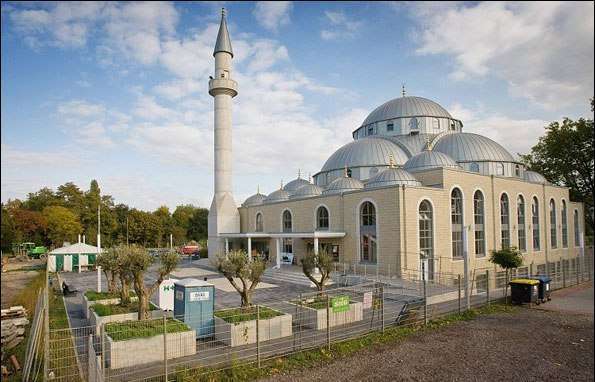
223 86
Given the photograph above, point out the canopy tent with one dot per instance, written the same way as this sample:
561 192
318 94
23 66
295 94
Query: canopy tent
72 257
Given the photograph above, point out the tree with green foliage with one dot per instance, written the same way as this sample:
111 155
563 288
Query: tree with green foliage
323 261
137 261
235 266
62 224
564 155
29 226
72 197
166 222
8 231
507 259
198 224
108 261
37 201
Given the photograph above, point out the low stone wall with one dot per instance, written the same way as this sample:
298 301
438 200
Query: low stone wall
244 333
97 321
109 301
316 318
140 351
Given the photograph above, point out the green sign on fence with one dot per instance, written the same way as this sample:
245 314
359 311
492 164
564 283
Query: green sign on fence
340 304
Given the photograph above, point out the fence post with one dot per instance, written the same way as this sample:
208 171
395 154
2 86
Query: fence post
459 284
531 270
382 306
46 330
258 335
577 269
563 273
328 322
488 286
165 347
103 351
423 276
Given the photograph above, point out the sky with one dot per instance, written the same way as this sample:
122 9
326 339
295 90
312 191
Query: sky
118 91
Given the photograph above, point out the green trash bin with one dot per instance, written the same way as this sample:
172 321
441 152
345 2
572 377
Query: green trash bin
524 291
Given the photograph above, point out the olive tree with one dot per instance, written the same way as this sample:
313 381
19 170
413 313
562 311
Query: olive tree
238 269
136 262
108 261
324 262
124 275
507 258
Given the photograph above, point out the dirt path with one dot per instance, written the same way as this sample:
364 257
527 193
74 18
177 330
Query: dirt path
530 345
16 277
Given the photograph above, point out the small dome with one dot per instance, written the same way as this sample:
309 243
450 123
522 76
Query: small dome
277 196
406 107
429 159
307 191
295 184
534 177
468 147
365 152
392 176
341 185
254 200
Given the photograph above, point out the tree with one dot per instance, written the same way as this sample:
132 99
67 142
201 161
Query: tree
198 224
29 225
165 222
62 224
8 230
72 197
564 155
41 199
324 262
237 266
108 261
144 228
507 258
137 261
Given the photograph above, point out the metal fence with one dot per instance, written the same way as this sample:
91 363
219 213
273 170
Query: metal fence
164 348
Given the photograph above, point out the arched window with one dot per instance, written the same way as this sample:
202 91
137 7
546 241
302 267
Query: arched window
479 221
367 231
322 219
426 235
577 232
520 208
504 221
413 124
553 231
287 226
517 170
259 225
456 222
474 166
564 225
436 124
535 223
499 169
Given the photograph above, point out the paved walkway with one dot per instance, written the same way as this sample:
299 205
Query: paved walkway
577 299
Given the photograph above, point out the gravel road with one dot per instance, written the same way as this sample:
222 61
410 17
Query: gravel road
530 345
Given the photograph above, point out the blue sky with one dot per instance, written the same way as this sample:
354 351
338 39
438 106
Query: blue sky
118 91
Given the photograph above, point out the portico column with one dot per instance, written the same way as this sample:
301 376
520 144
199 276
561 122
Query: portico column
278 246
316 270
226 246
249 249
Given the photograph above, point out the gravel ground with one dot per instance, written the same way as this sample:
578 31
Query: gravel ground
15 278
529 345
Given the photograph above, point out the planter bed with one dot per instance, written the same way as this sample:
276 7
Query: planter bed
144 340
91 298
314 314
236 327
104 314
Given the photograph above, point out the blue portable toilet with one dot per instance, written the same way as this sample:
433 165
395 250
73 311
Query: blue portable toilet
194 303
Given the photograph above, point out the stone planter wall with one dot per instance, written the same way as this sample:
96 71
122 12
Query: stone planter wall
140 351
97 321
244 333
316 318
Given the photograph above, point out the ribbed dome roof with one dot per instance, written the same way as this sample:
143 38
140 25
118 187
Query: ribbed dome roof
365 152
429 159
392 176
534 177
406 107
342 184
295 184
254 200
467 147
277 196
307 191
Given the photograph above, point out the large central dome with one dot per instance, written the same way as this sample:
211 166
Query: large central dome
406 107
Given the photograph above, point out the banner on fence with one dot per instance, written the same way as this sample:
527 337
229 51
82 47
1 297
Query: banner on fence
340 304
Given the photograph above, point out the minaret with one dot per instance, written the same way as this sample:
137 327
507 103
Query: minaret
223 214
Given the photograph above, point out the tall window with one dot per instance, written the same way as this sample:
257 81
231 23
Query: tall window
426 234
577 232
535 223
436 124
259 225
499 169
287 221
474 166
456 222
367 231
553 231
517 170
322 219
520 208
370 130
390 126
504 221
479 221
564 225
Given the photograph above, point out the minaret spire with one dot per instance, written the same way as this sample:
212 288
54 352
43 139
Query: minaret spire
403 89
223 43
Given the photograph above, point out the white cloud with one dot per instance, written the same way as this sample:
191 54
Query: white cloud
543 50
80 108
339 26
272 14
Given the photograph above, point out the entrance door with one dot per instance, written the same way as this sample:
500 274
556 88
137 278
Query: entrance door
287 251
59 263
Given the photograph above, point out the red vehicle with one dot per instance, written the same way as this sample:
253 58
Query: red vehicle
190 249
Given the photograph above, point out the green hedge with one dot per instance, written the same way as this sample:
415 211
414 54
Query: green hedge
110 310
121 331
94 296
238 315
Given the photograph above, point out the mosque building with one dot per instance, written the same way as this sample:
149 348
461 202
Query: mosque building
412 189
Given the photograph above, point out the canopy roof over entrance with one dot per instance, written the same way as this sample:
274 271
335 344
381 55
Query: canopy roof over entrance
272 235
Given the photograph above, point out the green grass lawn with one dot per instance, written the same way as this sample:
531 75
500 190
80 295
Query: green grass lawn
95 296
121 331
112 309
238 315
